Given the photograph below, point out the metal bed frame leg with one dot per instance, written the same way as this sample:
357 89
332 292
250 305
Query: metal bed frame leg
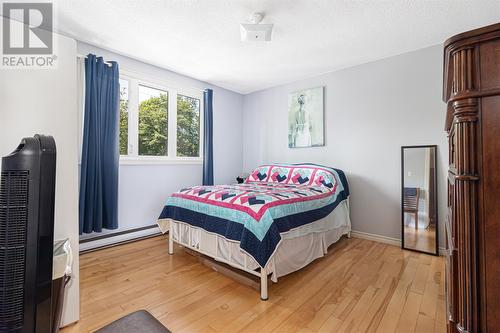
349 234
263 271
263 284
170 241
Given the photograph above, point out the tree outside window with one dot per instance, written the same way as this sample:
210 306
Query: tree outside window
153 121
188 126
123 117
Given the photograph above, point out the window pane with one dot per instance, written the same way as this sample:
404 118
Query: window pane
123 117
188 126
153 121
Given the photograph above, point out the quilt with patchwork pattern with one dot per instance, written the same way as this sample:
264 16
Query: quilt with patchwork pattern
274 199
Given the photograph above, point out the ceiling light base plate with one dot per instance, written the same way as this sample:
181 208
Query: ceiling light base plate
256 32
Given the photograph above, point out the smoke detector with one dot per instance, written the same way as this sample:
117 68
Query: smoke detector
254 31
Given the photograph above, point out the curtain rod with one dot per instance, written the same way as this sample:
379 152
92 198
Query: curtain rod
85 57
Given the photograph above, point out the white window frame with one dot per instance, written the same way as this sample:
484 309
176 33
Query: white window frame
133 157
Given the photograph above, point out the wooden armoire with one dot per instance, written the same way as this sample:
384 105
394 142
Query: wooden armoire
472 94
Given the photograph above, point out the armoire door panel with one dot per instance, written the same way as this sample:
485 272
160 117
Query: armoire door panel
491 213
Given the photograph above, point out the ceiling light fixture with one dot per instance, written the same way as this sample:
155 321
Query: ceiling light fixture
255 31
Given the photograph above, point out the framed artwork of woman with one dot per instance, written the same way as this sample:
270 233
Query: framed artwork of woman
306 118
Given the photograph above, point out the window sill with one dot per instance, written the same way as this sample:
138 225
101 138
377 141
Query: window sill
126 160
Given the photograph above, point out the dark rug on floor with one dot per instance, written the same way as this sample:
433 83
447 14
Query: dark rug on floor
137 322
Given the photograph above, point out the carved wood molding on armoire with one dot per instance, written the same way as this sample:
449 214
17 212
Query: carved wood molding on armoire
471 90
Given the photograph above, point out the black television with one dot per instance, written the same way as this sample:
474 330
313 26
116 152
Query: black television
27 194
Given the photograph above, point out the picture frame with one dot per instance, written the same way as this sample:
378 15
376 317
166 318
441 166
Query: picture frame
306 118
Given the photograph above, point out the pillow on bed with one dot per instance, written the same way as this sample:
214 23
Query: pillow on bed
324 177
302 174
296 174
273 173
279 174
260 174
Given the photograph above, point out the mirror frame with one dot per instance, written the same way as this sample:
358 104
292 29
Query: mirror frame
436 253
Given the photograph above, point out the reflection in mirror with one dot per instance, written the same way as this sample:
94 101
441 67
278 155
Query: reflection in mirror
419 199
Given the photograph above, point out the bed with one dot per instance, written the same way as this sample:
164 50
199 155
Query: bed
280 219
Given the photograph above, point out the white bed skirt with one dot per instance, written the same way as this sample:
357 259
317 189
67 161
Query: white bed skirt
298 247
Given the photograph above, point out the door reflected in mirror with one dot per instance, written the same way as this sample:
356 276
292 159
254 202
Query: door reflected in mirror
419 199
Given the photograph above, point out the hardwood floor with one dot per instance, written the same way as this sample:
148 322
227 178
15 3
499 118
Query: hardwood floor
360 286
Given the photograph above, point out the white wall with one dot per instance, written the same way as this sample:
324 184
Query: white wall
143 189
371 111
44 101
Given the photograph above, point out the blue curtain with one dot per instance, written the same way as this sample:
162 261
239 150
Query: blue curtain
208 151
100 154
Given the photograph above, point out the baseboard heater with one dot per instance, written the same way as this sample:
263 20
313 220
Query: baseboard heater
110 239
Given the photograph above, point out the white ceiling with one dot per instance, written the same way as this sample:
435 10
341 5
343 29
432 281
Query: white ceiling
201 38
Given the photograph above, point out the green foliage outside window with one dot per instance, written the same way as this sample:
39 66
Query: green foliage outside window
123 122
188 126
153 126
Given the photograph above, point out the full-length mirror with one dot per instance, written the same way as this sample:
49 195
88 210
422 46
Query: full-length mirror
419 199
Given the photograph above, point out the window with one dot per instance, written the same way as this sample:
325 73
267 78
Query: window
159 124
188 126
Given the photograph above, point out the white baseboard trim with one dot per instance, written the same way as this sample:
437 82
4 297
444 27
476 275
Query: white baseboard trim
385 239
90 245
376 238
